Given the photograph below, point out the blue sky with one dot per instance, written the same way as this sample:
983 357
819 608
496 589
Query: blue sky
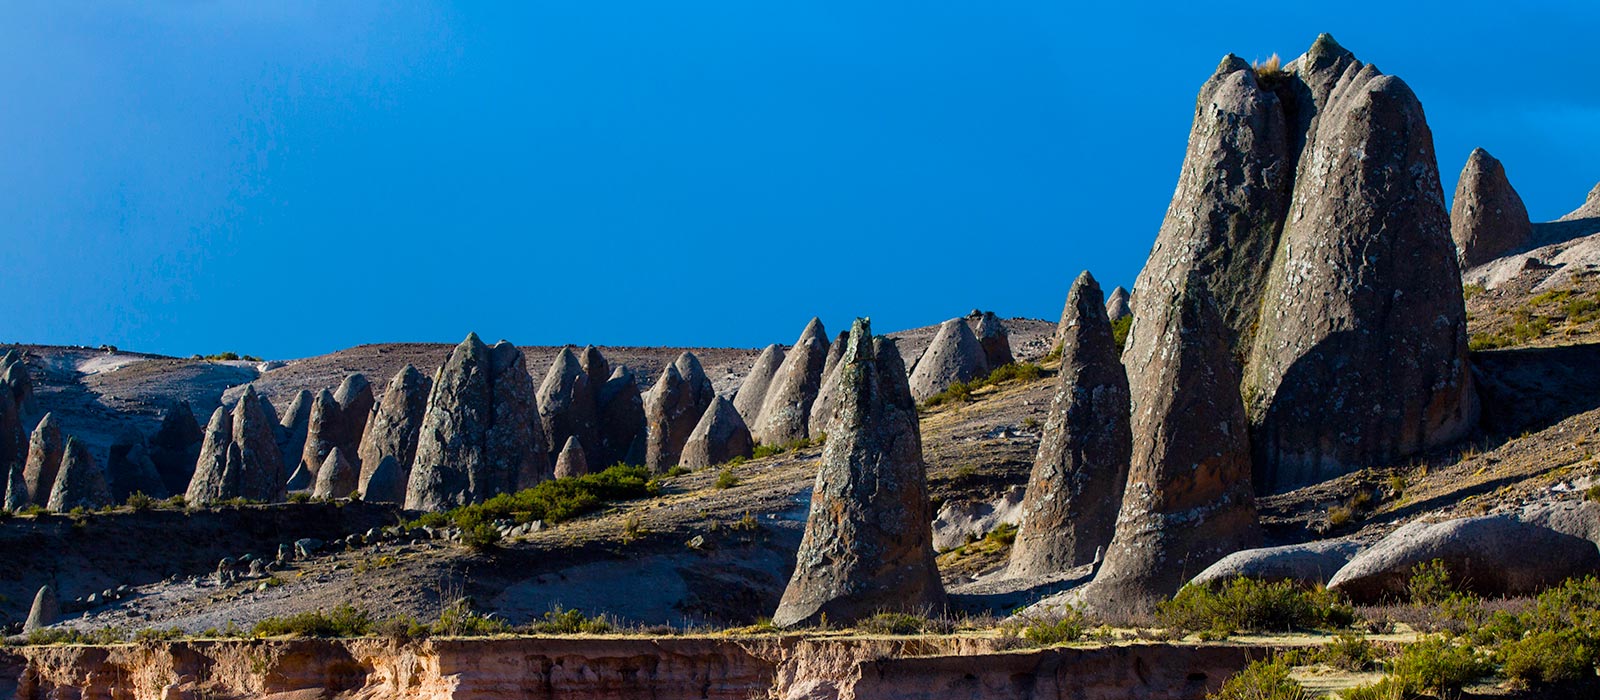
289 179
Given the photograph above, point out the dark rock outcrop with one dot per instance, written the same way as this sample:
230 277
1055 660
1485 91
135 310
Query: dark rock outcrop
518 447
992 337
672 409
392 433
80 483
15 377
567 403
1491 556
132 470
13 441
867 545
296 423
571 461
827 402
596 368
239 457
175 447
718 437
356 400
337 477
786 410
954 355
753 390
1310 564
15 491
45 611
1487 217
300 480
46 448
1070 510
622 422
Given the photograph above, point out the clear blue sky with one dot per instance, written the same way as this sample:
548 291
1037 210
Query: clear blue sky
185 177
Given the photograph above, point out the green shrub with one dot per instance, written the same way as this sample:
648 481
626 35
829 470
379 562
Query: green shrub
551 501
460 621
1593 493
343 621
961 392
481 536
1350 651
561 621
900 623
1261 680
151 634
1248 605
1068 626
1430 583
676 470
726 480
1469 291
1119 331
1548 657
1385 689
139 501
1437 665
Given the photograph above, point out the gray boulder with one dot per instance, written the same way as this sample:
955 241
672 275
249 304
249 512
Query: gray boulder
867 546
45 450
827 401
80 483
385 483
261 473
13 440
392 432
325 430
672 409
753 390
571 462
567 403
954 355
296 424
992 337
1576 518
337 477
16 489
45 611
1070 510
216 471
718 437
1119 305
1487 217
1309 564
596 368
622 422
356 401
1491 556
14 375
786 410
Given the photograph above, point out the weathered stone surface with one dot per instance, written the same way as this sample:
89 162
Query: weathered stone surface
1487 217
672 408
1119 305
567 403
596 368
45 611
393 431
827 402
718 437
1310 564
1492 556
962 520
622 422
356 400
216 477
480 433
80 483
261 473
176 446
300 480
45 449
296 424
14 376
1188 501
16 489
337 477
1070 510
1576 518
867 545
1589 210
131 469
954 355
571 461
13 441
1360 357
325 430
786 411
753 390
992 337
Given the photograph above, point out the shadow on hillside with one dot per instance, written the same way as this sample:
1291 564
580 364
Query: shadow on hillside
1530 389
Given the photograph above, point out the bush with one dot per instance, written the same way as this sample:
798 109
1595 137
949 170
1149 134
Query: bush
1385 689
560 621
1248 605
139 501
1350 651
552 501
343 621
1430 583
726 479
1069 626
481 536
1119 331
1261 680
1439 666
1593 493
1548 657
901 623
961 392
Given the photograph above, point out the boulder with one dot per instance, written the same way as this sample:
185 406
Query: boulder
867 546
1078 475
1490 556
1589 210
131 469
261 473
325 430
296 424
672 409
1361 353
45 450
1188 501
753 390
1310 564
786 410
622 422
45 611
1487 217
300 480
961 520
571 462
392 432
567 403
718 437
517 448
175 446
216 471
596 368
16 489
992 337
1119 305
80 483
1575 518
827 401
356 400
14 376
954 355
337 477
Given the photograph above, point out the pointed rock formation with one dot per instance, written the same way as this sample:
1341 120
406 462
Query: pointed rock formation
46 609
1361 353
720 436
16 489
300 480
131 469
392 432
596 368
296 424
835 352
13 440
261 473
669 413
566 403
14 376
1118 305
992 337
176 446
325 430
786 409
753 390
1487 218
1070 510
45 451
571 461
480 432
953 356
213 481
827 402
622 422
337 477
355 399
1188 501
868 545
80 484
1589 210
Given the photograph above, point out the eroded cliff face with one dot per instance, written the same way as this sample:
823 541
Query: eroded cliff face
673 667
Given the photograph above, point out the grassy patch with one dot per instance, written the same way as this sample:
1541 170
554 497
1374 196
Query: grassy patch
1119 331
726 479
961 392
1248 605
1261 680
342 621
552 501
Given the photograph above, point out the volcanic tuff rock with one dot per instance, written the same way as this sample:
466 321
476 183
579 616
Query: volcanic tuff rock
325 430
296 423
13 440
1188 501
992 336
953 356
1487 218
14 376
718 437
786 410
80 484
1070 510
867 546
238 457
1589 210
668 414
392 432
355 405
131 470
835 353
753 390
596 368
300 479
1491 556
337 477
176 446
46 608
571 461
567 403
1118 305
45 449
827 401
212 481
385 483
16 489
1361 356
1309 564
480 433
622 425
